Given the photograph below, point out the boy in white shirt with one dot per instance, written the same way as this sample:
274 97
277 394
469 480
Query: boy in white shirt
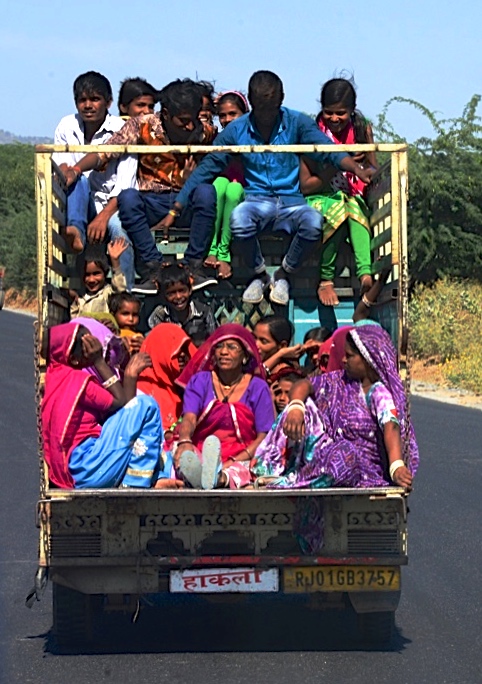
92 199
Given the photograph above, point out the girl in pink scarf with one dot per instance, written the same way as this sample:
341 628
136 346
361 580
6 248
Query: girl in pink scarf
339 195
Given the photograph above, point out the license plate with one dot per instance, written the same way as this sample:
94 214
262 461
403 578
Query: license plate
341 578
227 580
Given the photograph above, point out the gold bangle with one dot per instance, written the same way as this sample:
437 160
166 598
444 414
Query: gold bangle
173 212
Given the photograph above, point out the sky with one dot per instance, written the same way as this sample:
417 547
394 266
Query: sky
426 51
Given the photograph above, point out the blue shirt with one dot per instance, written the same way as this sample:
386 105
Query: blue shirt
271 174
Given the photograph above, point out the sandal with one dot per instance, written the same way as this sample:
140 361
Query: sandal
211 462
191 469
326 293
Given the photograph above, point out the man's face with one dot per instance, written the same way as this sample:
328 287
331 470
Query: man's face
265 110
185 121
92 107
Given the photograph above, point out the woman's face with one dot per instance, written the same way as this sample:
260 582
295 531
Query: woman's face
354 363
227 112
229 355
267 345
336 116
76 358
183 357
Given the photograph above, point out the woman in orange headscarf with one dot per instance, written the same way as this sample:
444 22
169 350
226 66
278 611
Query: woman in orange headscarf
169 349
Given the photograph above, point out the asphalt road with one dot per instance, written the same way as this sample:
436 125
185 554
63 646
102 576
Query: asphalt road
439 622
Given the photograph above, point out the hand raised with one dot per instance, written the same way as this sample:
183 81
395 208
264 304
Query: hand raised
137 364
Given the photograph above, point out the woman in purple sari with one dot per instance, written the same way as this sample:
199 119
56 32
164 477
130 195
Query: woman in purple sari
345 428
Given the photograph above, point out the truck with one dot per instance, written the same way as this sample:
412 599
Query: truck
106 549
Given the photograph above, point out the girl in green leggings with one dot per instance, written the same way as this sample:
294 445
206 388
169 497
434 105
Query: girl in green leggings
229 188
340 196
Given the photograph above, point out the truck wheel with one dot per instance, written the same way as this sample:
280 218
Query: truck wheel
73 614
376 628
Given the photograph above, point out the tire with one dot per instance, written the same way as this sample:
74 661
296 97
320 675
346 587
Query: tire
376 629
73 614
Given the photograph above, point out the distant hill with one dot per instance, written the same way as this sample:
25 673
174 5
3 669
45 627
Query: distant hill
7 138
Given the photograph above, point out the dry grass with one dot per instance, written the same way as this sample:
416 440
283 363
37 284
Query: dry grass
23 301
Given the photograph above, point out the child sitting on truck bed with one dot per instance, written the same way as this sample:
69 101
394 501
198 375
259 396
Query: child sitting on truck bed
97 289
125 308
175 289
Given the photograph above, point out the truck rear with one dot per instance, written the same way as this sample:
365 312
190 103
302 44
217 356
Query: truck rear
106 549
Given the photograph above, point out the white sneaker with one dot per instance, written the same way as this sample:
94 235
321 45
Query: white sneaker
280 292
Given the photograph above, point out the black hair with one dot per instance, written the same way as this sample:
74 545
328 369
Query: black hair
280 328
317 334
131 88
352 344
174 273
117 299
342 90
291 377
207 90
266 85
181 96
235 99
95 254
92 82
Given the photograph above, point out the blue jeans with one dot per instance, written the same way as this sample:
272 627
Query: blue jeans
81 210
126 259
80 205
257 214
139 211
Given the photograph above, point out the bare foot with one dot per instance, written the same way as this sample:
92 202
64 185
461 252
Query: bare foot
366 283
224 270
168 483
327 294
211 261
73 239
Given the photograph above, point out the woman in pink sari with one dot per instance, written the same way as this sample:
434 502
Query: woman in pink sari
227 410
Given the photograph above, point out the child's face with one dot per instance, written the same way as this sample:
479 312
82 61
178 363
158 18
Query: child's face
227 112
144 104
94 277
267 346
206 113
178 296
336 117
127 316
281 392
92 107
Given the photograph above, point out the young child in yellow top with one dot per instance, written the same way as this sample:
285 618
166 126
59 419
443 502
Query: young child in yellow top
97 289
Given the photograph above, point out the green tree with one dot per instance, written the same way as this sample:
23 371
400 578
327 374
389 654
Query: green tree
17 216
445 205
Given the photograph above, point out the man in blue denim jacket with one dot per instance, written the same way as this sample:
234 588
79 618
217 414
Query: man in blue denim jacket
273 198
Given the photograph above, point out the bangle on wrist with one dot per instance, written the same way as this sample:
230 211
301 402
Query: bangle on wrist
184 441
173 212
77 170
296 403
367 302
395 466
110 381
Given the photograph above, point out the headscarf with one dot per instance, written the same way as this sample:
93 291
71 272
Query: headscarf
376 347
164 344
204 358
337 348
64 387
105 318
113 350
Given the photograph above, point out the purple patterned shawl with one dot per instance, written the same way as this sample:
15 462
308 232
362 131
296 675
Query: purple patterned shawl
343 446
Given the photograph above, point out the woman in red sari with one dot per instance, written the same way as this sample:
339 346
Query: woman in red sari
227 410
